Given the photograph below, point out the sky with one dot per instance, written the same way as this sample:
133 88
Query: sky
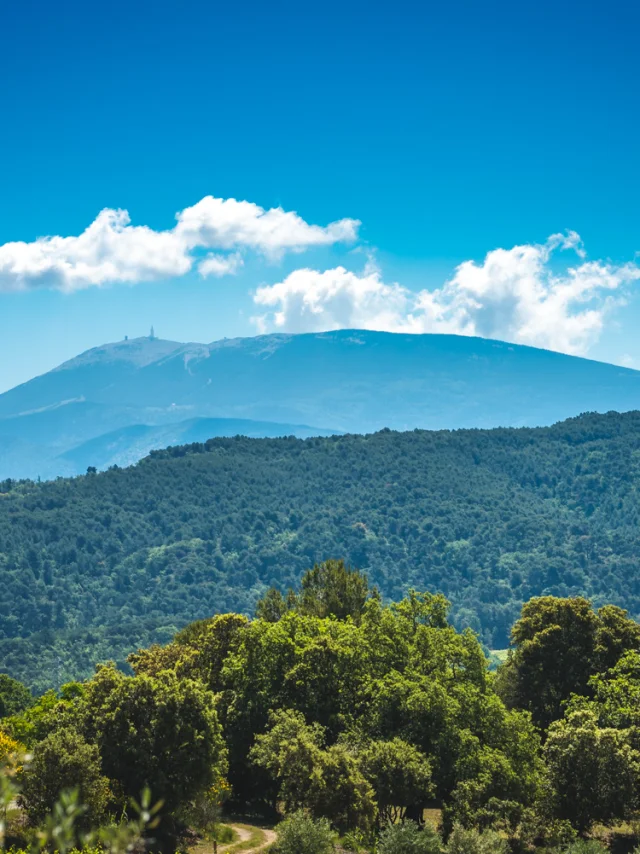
231 169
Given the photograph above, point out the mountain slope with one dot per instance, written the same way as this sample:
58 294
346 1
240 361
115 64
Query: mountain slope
129 444
350 381
93 566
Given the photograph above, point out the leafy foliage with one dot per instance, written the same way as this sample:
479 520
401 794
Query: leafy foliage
9 748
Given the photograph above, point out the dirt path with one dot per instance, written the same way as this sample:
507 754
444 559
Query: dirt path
269 838
245 832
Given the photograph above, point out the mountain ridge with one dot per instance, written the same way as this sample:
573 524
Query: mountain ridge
350 381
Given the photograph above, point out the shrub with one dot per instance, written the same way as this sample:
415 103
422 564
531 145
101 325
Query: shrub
463 841
301 834
409 838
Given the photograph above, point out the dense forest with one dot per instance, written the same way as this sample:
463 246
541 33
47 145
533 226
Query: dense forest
94 566
380 725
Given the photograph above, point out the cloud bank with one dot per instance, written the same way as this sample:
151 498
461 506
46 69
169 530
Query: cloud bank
112 250
516 295
528 294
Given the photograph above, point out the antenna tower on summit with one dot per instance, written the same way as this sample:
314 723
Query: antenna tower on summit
152 335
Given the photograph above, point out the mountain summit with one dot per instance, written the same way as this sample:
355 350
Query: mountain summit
346 381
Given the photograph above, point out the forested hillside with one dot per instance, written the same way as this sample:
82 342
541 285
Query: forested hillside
95 566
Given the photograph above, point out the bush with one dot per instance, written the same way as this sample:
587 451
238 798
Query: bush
409 838
463 841
301 834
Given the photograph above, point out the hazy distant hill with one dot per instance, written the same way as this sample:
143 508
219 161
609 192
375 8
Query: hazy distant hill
349 381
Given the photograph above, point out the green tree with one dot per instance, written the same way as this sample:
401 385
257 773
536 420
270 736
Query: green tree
332 589
424 609
593 772
617 696
409 838
400 776
291 753
341 793
557 645
64 761
587 846
328 783
14 696
159 732
616 635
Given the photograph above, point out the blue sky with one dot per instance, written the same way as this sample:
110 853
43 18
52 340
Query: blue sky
449 130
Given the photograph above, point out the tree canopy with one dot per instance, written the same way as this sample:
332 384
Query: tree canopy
356 722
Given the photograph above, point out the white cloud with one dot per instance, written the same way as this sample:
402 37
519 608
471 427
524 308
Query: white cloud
310 301
112 250
227 224
220 265
516 294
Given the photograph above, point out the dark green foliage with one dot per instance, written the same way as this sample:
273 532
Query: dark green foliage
14 696
557 646
64 761
330 589
617 695
308 683
158 732
48 713
94 567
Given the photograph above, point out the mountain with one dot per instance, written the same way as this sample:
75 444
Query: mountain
345 381
93 566
129 444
